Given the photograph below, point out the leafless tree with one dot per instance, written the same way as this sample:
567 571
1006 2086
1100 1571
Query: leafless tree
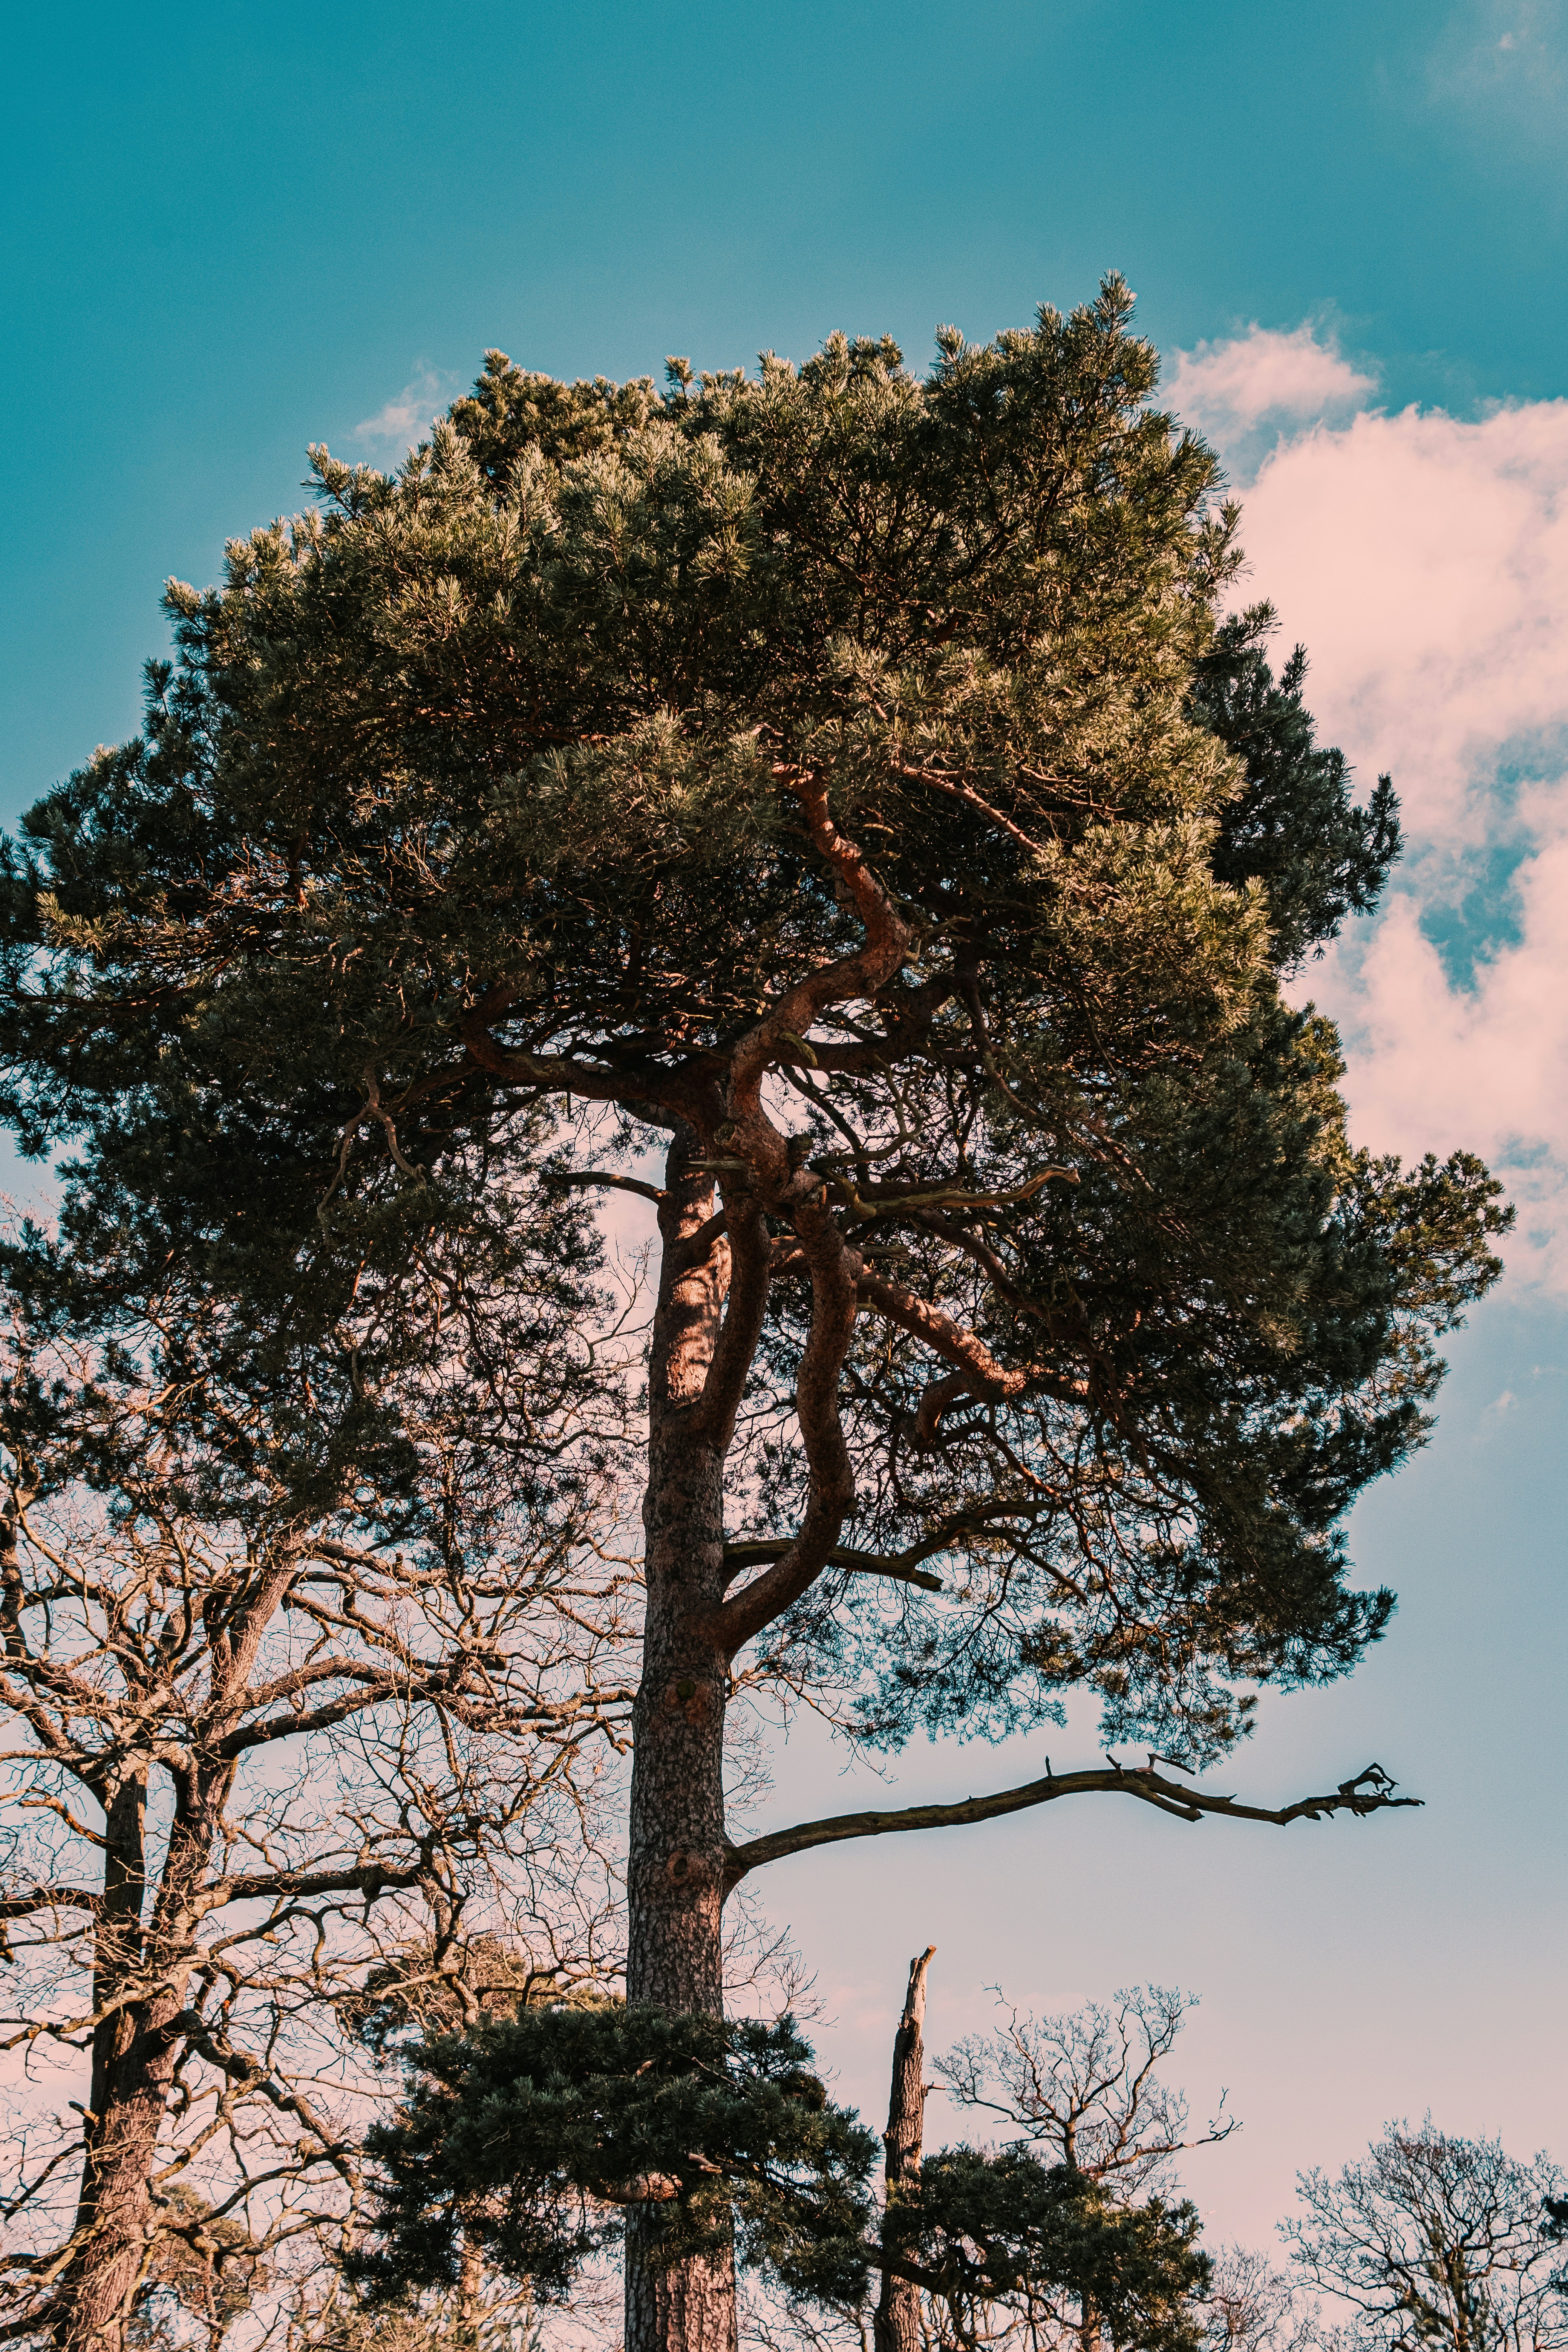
1252 2307
1084 2086
265 1769
1438 2246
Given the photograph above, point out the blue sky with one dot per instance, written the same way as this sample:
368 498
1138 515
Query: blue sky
234 230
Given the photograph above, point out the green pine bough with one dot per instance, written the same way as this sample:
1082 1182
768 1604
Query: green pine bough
829 804
529 2143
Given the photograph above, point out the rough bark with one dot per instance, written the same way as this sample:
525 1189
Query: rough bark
676 1858
898 2315
115 2209
135 2045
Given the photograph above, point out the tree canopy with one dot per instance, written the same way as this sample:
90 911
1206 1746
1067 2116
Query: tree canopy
863 743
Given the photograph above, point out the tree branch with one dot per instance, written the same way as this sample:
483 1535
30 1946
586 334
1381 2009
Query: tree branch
603 1176
734 1352
31 1899
1367 1794
859 974
977 1372
830 1493
593 1081
858 1563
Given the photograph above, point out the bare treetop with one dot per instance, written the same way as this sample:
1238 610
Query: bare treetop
1084 2084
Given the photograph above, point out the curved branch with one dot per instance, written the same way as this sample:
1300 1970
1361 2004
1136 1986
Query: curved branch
976 1370
593 1081
861 974
734 1351
831 1492
253 2075
1369 1792
603 1176
368 1879
854 1563
31 1899
974 1523
970 798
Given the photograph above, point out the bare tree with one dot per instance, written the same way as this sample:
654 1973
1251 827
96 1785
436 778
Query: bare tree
1085 2086
1436 2243
261 1767
1251 2307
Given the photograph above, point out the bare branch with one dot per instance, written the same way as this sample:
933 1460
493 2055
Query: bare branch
1367 1794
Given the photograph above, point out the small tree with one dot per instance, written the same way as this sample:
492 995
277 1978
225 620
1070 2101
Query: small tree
839 784
1085 2085
263 1770
1438 2242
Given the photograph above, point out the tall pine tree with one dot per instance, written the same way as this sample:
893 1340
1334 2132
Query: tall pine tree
838 781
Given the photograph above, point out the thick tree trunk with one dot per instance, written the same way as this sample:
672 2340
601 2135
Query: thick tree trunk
676 1863
132 2062
141 1979
676 1858
898 2320
115 2208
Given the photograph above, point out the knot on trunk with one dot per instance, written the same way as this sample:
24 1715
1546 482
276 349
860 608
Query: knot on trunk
691 1698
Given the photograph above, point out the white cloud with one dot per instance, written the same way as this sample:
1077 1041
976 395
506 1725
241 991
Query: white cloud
1502 60
1424 563
407 417
1245 393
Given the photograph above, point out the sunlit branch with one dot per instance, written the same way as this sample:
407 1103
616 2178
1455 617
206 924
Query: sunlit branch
1369 1792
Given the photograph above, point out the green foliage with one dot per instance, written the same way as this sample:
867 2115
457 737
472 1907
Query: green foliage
529 2141
1006 2228
511 410
1293 827
471 798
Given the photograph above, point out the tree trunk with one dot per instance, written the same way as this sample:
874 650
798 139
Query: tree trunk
898 2320
115 2207
145 1965
132 2062
676 1858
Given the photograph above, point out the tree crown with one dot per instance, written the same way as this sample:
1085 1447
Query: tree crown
846 775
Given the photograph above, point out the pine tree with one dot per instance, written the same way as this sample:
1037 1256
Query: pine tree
838 779
534 2140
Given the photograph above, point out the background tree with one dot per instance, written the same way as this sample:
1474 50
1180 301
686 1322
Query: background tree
1253 2306
1085 2086
1294 829
1436 2242
266 1768
816 777
1083 2091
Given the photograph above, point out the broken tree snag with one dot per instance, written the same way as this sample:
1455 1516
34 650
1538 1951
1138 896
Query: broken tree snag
897 2316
